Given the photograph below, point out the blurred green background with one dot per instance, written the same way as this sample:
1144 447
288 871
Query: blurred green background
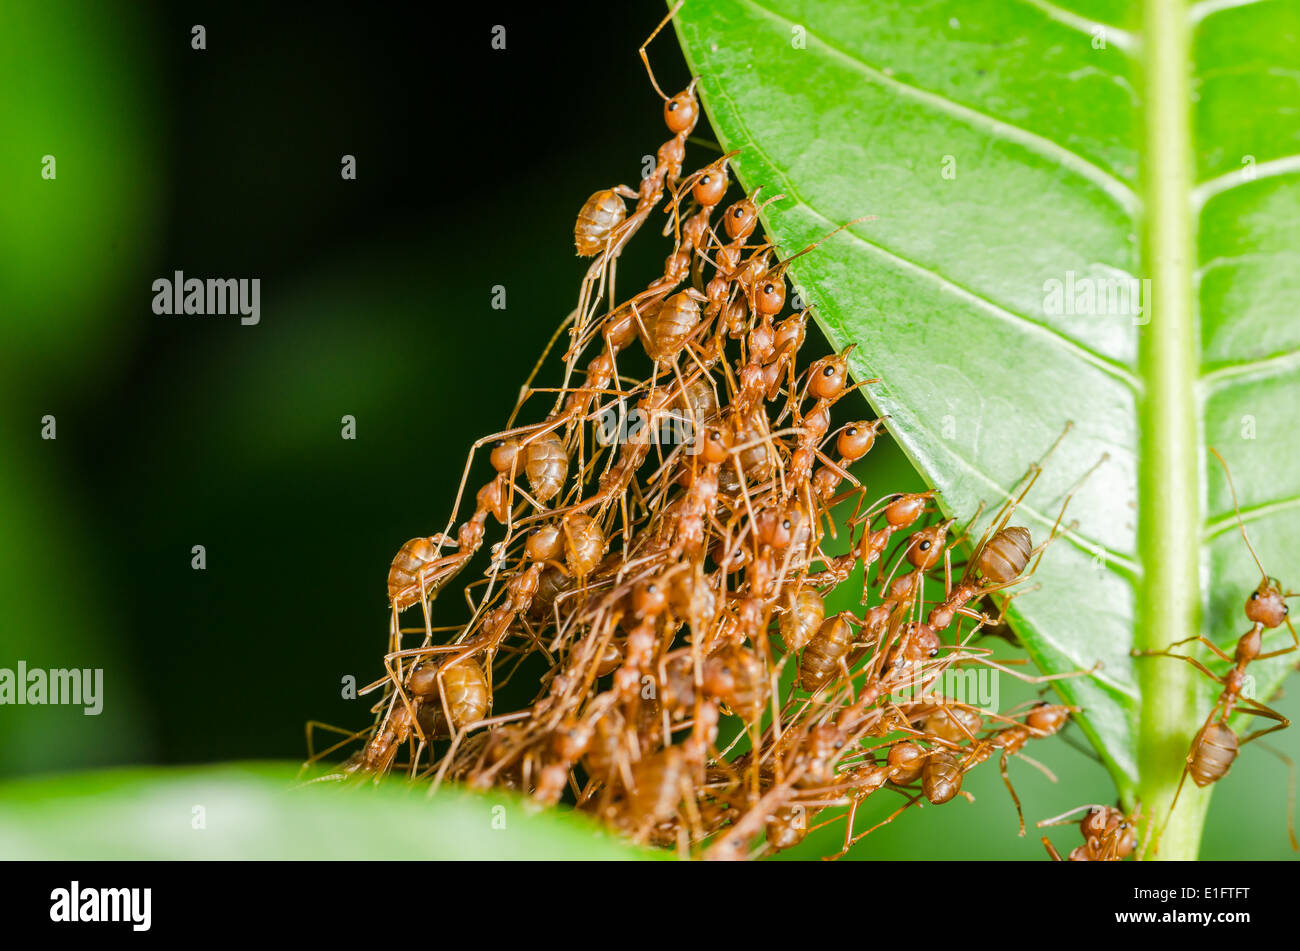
376 302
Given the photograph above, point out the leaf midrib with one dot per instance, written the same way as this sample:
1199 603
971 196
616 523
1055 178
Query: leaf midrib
1169 523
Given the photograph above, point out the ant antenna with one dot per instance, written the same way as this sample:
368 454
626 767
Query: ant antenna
829 234
646 59
1237 508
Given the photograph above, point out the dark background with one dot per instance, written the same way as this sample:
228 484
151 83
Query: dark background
376 302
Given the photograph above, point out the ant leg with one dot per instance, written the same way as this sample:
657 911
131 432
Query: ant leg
1051 850
1277 653
1032 678
1219 652
537 367
1191 660
1064 818
849 820
314 757
912 800
1258 709
1006 778
1051 776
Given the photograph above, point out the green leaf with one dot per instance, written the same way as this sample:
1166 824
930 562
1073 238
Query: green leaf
254 811
1004 145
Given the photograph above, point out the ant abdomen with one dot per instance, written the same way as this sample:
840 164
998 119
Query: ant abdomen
657 787
551 584
821 658
1005 555
906 509
803 619
466 694
404 574
1213 752
671 327
940 777
603 212
584 544
737 677
547 466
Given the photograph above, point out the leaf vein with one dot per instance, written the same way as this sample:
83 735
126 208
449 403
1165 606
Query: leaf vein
1199 11
1119 192
1250 371
1239 178
1120 39
1224 523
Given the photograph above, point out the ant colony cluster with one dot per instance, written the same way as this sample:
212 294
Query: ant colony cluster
694 693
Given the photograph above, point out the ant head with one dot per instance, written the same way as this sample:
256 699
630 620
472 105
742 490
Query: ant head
740 219
1267 605
571 738
792 330
1094 823
682 111
719 680
732 560
712 184
1047 718
714 446
857 439
829 738
906 509
925 548
775 528
649 598
826 377
545 543
504 454
769 294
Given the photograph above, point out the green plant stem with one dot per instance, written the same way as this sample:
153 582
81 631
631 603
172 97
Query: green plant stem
1168 535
